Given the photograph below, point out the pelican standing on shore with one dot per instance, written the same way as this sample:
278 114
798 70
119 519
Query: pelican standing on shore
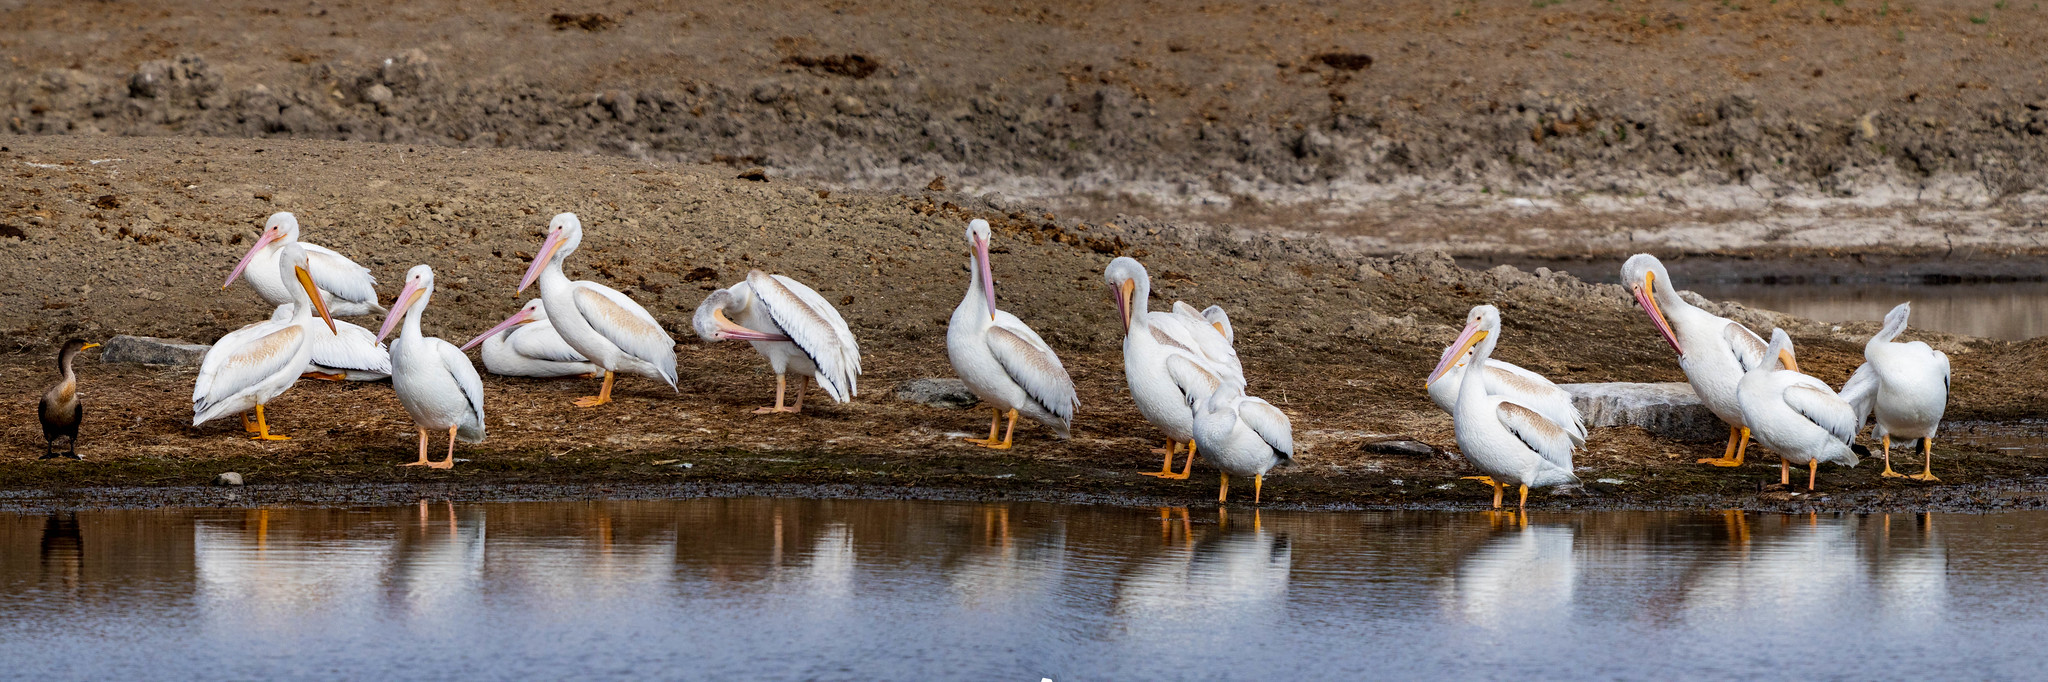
1507 441
1795 415
433 378
1239 434
1509 381
1002 361
1165 398
790 325
602 324
254 364
1910 391
351 353
347 289
1714 351
526 345
60 410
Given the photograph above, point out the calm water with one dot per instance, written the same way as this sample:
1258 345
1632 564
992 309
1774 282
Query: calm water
1993 299
798 589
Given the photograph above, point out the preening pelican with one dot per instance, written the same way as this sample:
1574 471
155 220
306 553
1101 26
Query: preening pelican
433 378
60 410
1164 399
1714 351
603 325
1239 434
345 287
1002 361
351 353
1907 390
1509 442
1521 386
526 345
1214 315
792 326
1796 415
254 364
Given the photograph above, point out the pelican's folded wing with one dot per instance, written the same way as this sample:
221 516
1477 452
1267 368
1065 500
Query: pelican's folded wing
626 325
1815 401
1548 439
351 347
1192 376
1860 392
1747 346
1032 364
1269 422
540 341
238 362
814 326
338 275
472 385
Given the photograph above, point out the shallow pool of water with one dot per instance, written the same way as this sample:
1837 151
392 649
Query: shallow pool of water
804 589
1992 299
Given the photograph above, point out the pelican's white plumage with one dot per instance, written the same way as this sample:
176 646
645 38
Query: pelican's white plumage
1903 387
791 325
1000 359
351 353
1795 415
247 368
1163 397
1714 351
348 289
434 379
1522 386
1239 434
603 325
526 345
1509 442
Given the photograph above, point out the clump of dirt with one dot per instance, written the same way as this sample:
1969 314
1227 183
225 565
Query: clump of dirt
1339 343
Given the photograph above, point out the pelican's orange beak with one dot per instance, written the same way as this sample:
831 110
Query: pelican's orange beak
1122 293
522 317
727 329
406 298
319 303
269 235
1646 297
540 260
1785 356
1466 340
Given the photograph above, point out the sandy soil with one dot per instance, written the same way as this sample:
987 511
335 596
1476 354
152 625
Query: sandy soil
138 243
1612 118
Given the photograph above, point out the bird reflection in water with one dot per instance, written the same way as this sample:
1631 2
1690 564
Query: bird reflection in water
63 551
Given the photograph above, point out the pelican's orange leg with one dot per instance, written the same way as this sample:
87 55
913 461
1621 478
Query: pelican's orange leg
1497 488
1172 448
1888 473
1223 492
1927 469
604 395
781 383
423 461
993 421
1185 470
1007 432
263 428
448 463
1738 445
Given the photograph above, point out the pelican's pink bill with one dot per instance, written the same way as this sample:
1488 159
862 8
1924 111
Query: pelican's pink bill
522 317
1470 336
406 298
540 259
988 277
1656 313
269 236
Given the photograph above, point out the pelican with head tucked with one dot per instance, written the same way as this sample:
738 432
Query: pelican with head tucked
1239 434
1164 398
345 287
602 324
433 378
252 365
1796 415
526 345
1905 387
1714 351
1002 361
1509 442
351 353
792 326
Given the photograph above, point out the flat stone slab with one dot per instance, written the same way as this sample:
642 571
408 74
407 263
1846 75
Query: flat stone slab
149 350
936 392
1668 410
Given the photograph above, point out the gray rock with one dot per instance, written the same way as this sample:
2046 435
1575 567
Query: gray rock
1404 448
150 350
228 479
947 393
1668 410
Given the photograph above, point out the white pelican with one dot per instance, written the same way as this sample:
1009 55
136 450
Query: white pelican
1511 443
526 345
1714 351
351 353
1239 434
1509 381
1908 390
1796 415
433 378
603 325
1214 315
1149 339
252 365
346 288
1002 361
792 326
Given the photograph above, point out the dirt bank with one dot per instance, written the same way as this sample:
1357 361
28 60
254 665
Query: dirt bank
139 242
1641 114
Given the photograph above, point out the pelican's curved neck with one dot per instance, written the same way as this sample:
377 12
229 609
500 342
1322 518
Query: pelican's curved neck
411 329
1141 297
1667 295
1473 386
975 300
551 277
1894 325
